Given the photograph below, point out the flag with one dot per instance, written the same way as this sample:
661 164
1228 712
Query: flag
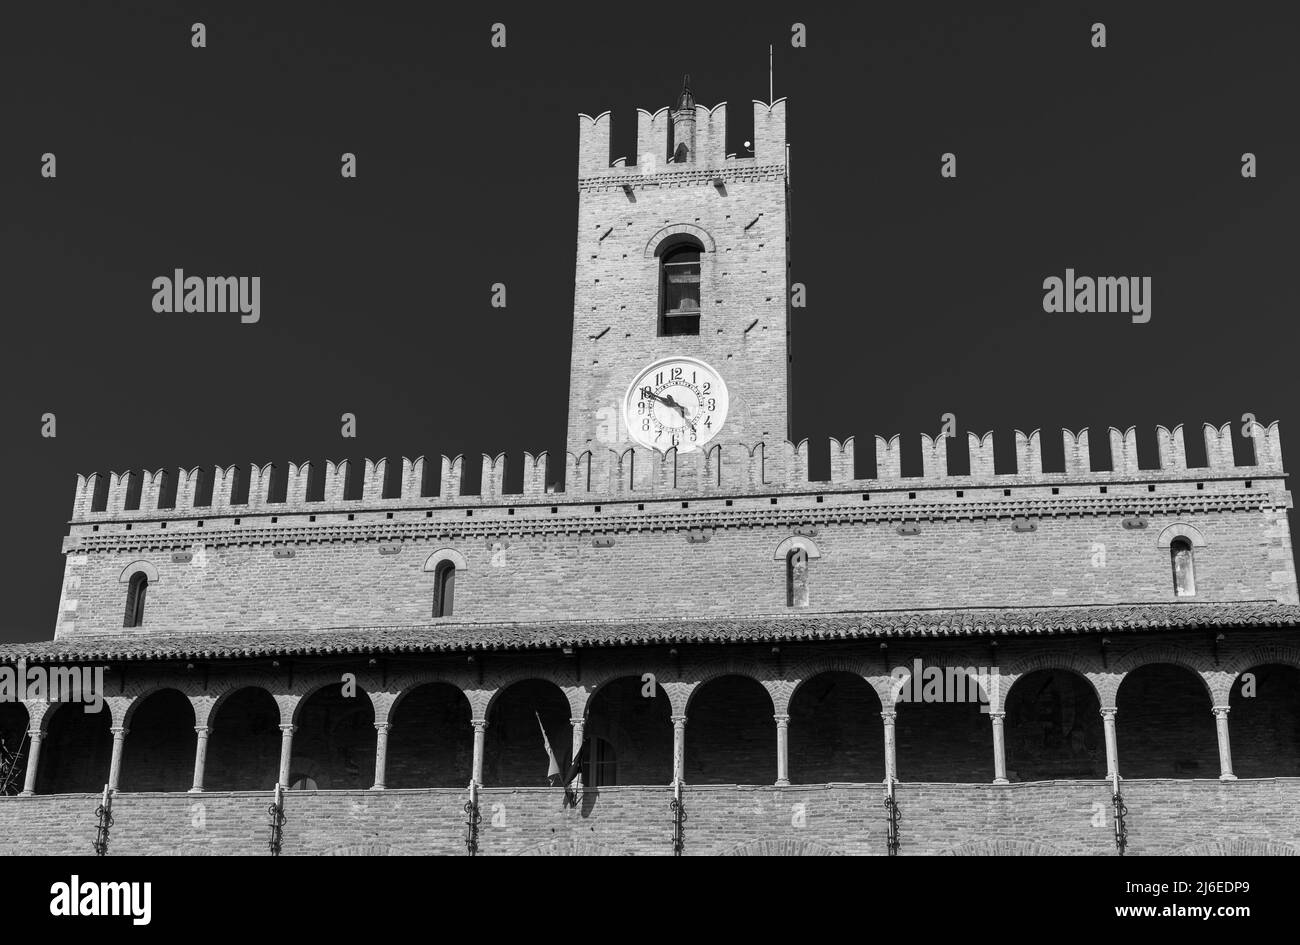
574 769
553 771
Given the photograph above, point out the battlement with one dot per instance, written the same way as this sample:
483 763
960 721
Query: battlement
761 469
710 141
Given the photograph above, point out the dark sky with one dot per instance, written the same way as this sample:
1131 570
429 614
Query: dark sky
925 295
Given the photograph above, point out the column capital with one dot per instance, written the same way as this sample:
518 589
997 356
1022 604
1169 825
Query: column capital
35 734
202 730
678 719
383 727
480 725
1108 714
119 731
288 728
1221 711
889 715
578 722
782 718
997 717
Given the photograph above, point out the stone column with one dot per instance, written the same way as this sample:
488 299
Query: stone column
480 733
115 766
286 752
1112 747
200 756
33 759
381 754
782 750
999 748
891 761
1225 746
579 726
679 747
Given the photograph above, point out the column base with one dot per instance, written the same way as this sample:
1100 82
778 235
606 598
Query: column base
782 782
1001 781
26 793
1227 777
376 787
195 790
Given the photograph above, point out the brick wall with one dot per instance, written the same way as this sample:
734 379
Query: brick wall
862 566
1062 818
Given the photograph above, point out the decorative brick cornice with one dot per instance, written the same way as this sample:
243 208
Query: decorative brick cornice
411 525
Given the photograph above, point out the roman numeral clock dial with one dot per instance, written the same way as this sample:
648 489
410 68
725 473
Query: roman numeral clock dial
676 402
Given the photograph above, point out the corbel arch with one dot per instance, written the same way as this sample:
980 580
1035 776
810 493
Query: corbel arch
664 238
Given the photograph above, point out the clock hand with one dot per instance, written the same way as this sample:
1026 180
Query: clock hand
680 408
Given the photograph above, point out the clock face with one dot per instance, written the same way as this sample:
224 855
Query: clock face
679 402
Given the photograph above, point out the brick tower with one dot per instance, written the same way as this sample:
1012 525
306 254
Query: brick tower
684 254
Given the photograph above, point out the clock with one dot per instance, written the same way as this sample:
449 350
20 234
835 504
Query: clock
675 402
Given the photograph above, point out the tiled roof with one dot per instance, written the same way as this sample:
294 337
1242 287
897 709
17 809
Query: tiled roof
466 637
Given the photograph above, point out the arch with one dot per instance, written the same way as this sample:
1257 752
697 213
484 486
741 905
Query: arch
572 846
430 738
76 752
1241 846
445 554
796 541
1180 530
336 738
1264 722
731 733
244 744
1007 847
158 754
1165 728
732 665
781 847
638 728
664 239
147 568
15 724
514 754
835 731
1052 727
1155 653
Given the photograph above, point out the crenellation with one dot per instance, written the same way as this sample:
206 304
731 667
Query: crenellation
934 457
651 138
413 477
187 487
842 460
336 480
373 484
1029 452
981 455
1218 446
296 487
1124 452
889 459
536 470
1078 458
451 476
716 468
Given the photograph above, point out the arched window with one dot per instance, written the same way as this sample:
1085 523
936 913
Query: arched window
679 294
135 592
1180 554
796 578
444 588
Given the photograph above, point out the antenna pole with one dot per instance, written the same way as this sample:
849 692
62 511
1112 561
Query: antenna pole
771 99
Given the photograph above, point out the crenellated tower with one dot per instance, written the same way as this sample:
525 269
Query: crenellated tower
682 261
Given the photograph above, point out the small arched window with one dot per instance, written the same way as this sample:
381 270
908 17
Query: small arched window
796 578
679 291
135 592
444 589
1180 555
